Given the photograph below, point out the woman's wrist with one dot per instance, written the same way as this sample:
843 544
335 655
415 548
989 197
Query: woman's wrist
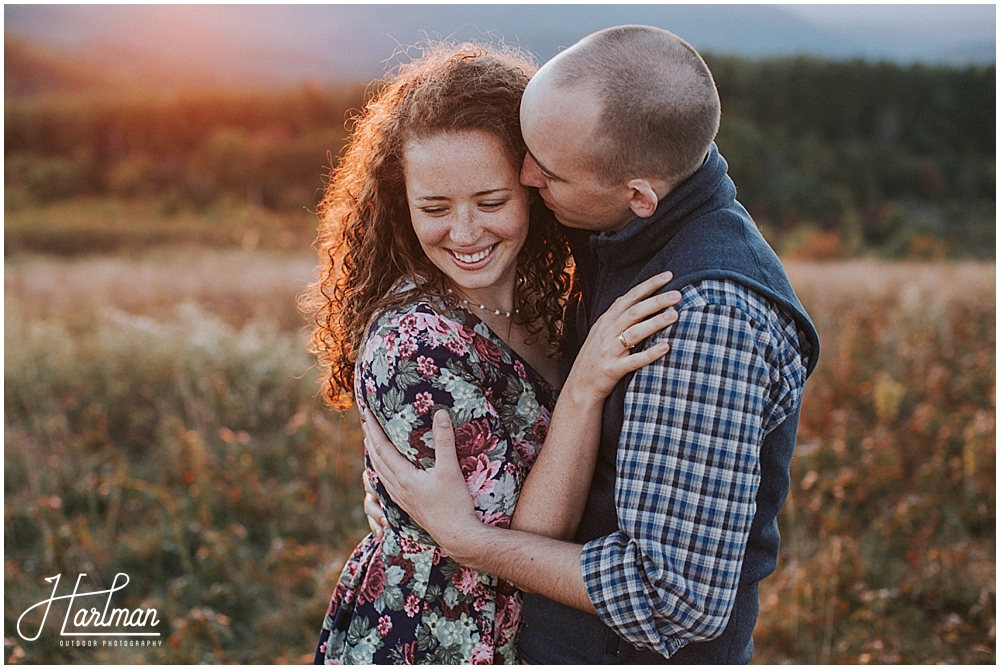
580 394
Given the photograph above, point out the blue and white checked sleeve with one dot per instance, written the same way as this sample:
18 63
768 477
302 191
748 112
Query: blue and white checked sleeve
688 468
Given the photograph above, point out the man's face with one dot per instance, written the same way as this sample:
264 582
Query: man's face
558 128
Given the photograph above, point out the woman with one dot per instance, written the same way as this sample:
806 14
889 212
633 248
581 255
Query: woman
442 283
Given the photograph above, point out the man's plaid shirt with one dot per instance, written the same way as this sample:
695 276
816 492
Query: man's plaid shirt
688 466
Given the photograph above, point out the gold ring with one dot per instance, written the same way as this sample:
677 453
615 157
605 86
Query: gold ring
621 338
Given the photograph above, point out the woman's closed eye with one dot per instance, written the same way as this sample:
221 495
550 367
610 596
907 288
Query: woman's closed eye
492 205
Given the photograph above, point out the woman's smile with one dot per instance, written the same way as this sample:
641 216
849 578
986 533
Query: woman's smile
472 259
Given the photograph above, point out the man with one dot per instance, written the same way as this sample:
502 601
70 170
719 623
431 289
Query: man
680 522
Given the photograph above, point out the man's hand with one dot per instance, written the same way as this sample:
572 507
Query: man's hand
373 508
437 499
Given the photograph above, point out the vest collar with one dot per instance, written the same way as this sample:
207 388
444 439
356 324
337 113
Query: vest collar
643 237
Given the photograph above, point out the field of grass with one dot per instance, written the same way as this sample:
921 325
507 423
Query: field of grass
889 533
133 225
161 419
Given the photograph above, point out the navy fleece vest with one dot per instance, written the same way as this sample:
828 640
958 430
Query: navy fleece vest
698 232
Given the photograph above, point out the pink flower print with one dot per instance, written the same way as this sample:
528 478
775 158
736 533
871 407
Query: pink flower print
339 592
374 582
481 596
421 446
389 342
384 626
444 330
525 451
423 403
478 472
494 518
540 428
474 437
482 655
466 334
519 368
410 546
370 386
508 616
412 605
404 564
464 579
426 366
351 570
510 468
407 347
408 325
410 652
456 346
488 351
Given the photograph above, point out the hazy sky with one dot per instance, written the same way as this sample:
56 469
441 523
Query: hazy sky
353 41
970 21
960 21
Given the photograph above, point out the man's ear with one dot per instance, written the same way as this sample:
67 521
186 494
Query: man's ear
643 198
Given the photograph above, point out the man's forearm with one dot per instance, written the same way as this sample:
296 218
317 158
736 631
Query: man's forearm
533 563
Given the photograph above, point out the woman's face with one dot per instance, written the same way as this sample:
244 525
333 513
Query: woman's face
469 211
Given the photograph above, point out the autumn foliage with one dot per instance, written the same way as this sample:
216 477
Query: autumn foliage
161 420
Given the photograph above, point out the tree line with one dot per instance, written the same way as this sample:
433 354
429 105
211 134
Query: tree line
831 158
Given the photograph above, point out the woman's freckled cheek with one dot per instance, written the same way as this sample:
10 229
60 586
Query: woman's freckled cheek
432 233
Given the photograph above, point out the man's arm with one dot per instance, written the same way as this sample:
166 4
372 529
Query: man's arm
688 469
438 500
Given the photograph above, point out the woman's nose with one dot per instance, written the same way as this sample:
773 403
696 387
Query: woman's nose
466 229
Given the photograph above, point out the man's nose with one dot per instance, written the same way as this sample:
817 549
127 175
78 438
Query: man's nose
531 173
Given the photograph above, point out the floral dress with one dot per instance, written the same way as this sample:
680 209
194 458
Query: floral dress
401 599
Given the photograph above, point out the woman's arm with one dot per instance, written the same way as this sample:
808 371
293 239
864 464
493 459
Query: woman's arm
555 492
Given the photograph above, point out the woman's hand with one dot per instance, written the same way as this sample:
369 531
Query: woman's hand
606 355
555 491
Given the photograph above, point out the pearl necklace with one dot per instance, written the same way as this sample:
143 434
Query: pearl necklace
483 307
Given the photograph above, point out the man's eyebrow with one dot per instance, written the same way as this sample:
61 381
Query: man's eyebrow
549 173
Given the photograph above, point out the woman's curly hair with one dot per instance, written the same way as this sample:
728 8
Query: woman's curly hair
365 238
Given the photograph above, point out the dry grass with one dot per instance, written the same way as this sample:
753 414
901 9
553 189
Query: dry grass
831 282
235 285
78 226
888 551
173 390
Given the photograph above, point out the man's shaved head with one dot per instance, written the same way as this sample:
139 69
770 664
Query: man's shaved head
659 108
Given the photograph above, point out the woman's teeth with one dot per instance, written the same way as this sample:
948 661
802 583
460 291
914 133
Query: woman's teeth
475 257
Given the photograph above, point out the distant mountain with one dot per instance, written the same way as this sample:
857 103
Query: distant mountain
31 70
271 45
